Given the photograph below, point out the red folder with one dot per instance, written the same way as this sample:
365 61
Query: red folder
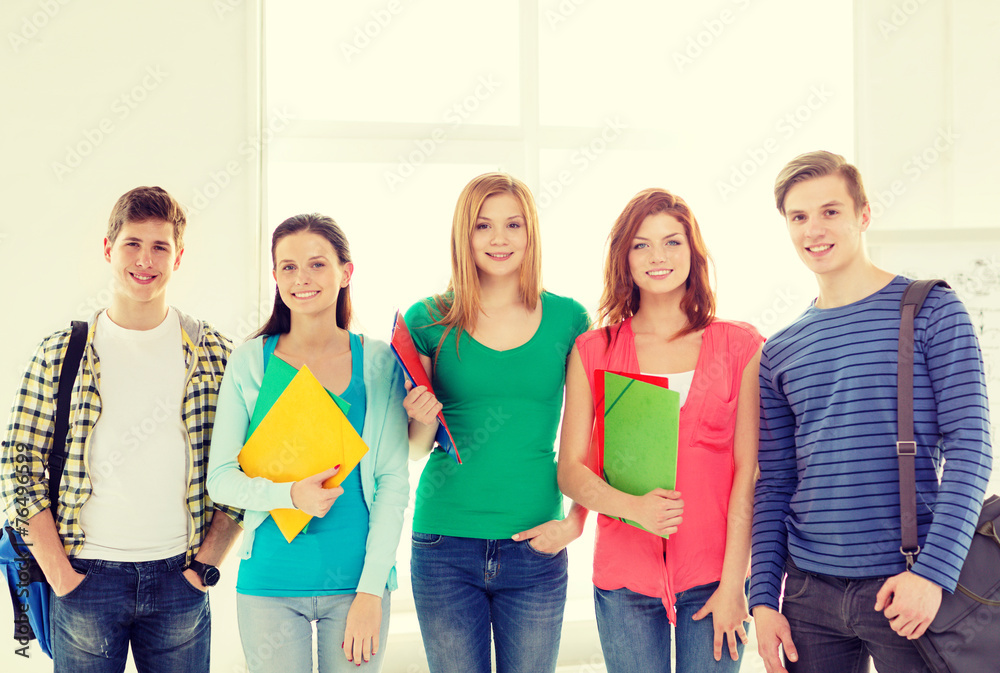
406 354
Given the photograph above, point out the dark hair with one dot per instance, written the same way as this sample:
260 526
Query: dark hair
147 203
281 317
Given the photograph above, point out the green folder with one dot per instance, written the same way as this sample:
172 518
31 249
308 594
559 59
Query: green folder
641 419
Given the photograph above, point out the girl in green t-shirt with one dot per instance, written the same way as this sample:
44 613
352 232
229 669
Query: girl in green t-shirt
489 537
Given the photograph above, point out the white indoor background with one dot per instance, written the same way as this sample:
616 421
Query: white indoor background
377 112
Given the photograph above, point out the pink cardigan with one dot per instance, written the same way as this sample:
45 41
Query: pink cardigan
628 557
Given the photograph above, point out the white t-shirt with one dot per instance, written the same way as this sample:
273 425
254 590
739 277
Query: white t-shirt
137 455
681 382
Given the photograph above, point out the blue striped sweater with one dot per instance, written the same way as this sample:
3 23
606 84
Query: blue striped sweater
828 493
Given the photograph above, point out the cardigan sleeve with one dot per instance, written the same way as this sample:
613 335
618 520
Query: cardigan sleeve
237 396
391 475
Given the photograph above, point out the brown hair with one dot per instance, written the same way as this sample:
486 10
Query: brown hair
620 299
817 165
147 203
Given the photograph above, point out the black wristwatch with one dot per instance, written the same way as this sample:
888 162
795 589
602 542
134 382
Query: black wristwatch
209 574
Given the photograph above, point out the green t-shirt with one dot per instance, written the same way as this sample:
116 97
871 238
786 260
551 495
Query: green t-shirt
502 408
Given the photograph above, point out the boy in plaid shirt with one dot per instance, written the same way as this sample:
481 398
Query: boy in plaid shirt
135 542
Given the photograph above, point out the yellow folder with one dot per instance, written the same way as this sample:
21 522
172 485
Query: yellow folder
303 433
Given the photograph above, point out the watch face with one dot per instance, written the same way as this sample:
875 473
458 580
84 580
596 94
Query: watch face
210 576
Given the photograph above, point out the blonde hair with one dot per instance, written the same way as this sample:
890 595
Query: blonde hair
459 306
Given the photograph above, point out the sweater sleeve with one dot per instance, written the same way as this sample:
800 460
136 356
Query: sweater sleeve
773 491
391 473
955 367
226 481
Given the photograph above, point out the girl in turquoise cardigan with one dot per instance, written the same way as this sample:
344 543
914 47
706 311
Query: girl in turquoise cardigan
339 571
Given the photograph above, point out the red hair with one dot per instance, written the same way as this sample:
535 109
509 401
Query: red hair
620 299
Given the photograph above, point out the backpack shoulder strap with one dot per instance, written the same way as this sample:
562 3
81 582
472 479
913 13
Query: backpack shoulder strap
67 377
917 291
906 446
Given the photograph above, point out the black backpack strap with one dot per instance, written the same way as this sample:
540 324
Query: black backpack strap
906 447
67 377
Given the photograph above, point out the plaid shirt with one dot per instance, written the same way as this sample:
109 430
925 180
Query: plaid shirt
28 440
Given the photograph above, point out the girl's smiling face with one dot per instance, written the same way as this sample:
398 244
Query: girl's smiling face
309 273
660 257
499 236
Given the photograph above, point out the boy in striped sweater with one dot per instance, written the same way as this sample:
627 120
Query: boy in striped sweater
826 508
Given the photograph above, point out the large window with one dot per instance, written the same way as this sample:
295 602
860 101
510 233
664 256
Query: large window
395 105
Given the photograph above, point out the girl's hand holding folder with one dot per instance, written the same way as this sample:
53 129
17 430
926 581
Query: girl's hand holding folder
659 511
310 496
421 404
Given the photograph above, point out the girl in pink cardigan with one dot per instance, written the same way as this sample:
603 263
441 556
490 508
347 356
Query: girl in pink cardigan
658 317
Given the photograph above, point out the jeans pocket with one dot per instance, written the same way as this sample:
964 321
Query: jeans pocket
80 568
795 584
192 588
543 554
426 539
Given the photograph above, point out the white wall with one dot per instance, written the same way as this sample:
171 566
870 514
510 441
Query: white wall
928 132
152 94
928 111
72 66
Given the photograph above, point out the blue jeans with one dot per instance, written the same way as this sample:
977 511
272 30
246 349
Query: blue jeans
276 632
836 630
150 605
635 633
464 587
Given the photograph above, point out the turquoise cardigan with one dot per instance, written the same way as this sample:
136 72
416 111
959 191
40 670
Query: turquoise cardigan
384 477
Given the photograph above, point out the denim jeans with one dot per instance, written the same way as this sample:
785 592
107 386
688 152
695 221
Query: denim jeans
150 605
276 632
635 633
464 587
836 629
